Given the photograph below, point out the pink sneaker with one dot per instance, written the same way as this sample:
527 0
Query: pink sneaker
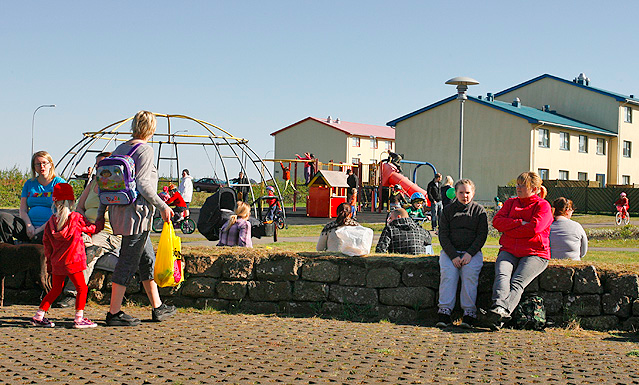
84 324
45 323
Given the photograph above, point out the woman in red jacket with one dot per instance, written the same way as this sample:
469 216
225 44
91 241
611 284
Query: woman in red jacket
525 246
64 250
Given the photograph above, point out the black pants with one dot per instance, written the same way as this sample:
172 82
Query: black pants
12 228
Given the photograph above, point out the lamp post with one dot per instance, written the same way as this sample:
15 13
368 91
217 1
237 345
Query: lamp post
373 145
179 177
462 84
33 122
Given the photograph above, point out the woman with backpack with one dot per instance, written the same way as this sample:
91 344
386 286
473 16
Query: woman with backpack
133 222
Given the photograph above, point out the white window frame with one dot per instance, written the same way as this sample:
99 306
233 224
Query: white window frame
625 179
627 149
356 142
583 143
562 173
564 141
544 173
601 178
544 138
628 114
374 144
584 174
355 161
601 146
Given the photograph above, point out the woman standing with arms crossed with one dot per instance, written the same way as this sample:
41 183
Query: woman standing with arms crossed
133 222
524 222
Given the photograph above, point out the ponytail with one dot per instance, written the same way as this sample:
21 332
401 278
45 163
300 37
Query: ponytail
62 211
242 211
343 213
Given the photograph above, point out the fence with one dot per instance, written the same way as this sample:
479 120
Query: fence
585 199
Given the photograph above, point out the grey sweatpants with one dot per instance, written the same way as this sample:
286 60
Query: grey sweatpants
512 275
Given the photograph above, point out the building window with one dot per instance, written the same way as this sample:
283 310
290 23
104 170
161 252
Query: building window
583 143
625 179
627 149
628 117
564 141
582 176
373 161
543 173
373 143
389 146
355 142
601 146
601 178
563 175
355 161
544 138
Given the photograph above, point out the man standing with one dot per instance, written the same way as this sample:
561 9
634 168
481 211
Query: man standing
402 235
352 179
242 187
186 187
435 196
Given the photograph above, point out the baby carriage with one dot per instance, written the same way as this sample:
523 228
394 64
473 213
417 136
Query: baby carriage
217 209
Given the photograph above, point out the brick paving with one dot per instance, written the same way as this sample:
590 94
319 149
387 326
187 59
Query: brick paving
199 347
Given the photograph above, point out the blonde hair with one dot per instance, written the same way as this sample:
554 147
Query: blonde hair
45 155
242 211
62 211
143 125
449 181
530 179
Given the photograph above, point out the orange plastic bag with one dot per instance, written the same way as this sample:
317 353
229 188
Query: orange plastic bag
169 267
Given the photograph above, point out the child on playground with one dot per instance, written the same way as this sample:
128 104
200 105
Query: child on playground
622 203
353 202
65 255
286 174
397 199
416 208
273 204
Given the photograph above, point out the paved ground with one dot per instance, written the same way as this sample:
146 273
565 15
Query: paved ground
205 348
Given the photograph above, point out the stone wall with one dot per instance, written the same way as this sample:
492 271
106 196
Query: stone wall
399 289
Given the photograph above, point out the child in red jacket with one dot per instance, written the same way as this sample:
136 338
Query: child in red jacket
64 250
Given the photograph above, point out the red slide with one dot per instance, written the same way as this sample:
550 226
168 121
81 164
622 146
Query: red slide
391 177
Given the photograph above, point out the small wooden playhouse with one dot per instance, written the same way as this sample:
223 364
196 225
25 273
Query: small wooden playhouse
326 190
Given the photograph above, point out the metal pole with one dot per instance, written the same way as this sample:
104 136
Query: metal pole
33 122
461 135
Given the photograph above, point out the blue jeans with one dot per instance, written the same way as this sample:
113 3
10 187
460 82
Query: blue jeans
136 252
435 212
512 275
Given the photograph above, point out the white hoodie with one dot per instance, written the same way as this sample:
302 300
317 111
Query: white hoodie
186 188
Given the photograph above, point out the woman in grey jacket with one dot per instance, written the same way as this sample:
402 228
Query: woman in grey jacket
133 222
568 239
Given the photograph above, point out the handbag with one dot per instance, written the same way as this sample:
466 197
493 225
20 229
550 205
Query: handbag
169 267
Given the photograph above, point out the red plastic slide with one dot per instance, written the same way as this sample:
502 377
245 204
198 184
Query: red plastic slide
391 177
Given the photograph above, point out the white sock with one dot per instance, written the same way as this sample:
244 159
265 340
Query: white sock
79 315
39 315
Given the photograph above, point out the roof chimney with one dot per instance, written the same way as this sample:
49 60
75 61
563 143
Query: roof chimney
546 107
328 120
516 102
490 97
582 79
632 96
337 120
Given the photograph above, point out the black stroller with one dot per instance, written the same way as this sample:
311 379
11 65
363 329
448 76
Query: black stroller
218 208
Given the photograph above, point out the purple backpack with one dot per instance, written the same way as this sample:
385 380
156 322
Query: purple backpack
116 179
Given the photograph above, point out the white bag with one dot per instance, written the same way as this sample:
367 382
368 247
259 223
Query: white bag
354 240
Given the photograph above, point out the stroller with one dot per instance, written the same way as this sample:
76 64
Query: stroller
217 209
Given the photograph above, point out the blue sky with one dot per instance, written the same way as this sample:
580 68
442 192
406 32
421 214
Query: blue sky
253 67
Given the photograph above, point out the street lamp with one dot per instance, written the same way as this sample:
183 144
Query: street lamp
175 152
462 84
33 122
373 145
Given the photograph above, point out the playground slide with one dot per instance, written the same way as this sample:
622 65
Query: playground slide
391 177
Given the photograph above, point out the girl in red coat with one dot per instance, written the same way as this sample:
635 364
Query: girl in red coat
64 249
524 222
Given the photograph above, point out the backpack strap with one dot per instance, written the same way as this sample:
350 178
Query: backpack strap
133 149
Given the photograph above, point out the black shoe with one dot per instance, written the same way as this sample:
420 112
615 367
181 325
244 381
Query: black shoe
468 322
65 302
163 312
494 318
121 319
443 320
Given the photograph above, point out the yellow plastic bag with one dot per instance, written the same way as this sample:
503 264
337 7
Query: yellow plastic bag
169 267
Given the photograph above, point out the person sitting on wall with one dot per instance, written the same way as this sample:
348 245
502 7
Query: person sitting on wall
568 239
328 240
402 235
237 230
177 201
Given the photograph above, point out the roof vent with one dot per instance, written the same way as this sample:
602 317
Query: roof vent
328 120
546 107
337 120
632 96
516 102
490 97
479 97
582 79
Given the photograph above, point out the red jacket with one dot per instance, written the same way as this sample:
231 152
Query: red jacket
64 249
177 200
272 202
519 239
